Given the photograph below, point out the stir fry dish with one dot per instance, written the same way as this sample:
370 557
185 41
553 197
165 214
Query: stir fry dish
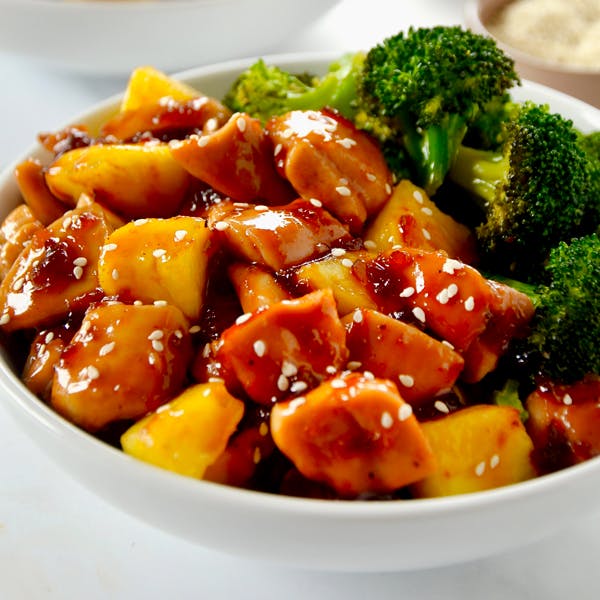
380 282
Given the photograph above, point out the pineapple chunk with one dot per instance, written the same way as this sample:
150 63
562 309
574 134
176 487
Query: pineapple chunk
135 180
477 448
189 433
148 85
338 274
158 259
410 218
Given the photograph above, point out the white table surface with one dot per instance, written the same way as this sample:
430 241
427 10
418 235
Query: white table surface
57 540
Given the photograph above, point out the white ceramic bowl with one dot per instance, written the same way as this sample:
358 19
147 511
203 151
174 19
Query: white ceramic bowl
111 37
578 81
320 534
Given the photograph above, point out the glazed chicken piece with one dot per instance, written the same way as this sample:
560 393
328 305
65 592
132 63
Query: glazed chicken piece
236 160
277 237
123 362
422 367
15 232
256 287
326 158
354 433
283 349
57 272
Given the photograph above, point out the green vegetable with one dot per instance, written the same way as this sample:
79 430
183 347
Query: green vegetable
563 343
533 192
425 87
508 395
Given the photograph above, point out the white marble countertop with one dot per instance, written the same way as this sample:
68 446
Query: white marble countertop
57 540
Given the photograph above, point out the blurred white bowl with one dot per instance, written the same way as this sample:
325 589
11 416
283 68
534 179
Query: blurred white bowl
579 81
319 534
112 37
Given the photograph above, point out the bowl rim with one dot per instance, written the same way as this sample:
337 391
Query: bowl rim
24 403
474 19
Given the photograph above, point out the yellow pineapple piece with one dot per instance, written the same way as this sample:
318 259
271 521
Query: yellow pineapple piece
148 85
189 433
135 180
337 273
158 259
477 448
410 218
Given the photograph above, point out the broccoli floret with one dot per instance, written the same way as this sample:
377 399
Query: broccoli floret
533 192
590 143
563 342
488 129
426 86
265 90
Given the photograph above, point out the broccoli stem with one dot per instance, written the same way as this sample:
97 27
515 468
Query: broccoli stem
479 172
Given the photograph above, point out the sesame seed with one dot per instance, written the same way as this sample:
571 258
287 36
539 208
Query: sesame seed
160 303
178 334
450 265
288 368
157 345
243 318
106 349
277 149
343 190
426 210
357 317
404 412
368 375
388 189
67 222
418 196
4 319
406 380
353 365
567 399
139 222
443 296
211 124
371 177
138 303
494 461
241 124
80 261
283 383
202 141
115 274
346 262
426 234
261 208
346 143
18 284
407 292
338 251
109 247
157 334
49 337
448 344
259 348
369 244
159 252
419 314
316 203
441 407
331 370
221 225
92 372
180 234
480 469
194 329
469 304
386 420
298 386
78 272
452 290
338 384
